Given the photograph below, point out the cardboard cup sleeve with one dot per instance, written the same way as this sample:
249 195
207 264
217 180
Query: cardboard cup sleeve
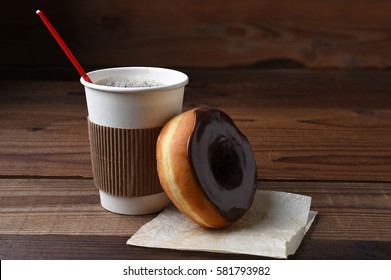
124 160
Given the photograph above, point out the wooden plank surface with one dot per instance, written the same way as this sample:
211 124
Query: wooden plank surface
56 212
301 124
106 247
203 33
347 211
325 134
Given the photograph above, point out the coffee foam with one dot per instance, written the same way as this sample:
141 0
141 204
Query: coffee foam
136 82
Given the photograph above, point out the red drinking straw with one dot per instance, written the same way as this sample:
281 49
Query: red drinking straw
64 47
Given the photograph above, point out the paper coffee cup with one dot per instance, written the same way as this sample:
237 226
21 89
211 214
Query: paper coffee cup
124 123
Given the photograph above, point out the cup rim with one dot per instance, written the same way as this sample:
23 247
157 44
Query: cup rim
183 81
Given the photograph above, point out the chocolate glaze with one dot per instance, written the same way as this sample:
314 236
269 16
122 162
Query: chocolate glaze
223 163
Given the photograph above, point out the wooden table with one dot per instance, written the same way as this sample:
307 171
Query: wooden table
326 134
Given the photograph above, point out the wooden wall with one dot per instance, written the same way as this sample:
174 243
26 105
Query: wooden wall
343 34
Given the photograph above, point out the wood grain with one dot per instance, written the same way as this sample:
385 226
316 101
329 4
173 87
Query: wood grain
204 33
59 206
325 134
112 248
347 211
302 125
55 218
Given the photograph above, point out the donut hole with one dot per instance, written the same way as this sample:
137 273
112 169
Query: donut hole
225 162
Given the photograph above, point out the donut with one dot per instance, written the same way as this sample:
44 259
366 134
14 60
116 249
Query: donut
206 167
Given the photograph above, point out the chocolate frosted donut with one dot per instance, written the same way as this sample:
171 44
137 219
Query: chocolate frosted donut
223 163
206 167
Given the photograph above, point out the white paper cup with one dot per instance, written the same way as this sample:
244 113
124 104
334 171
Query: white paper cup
117 117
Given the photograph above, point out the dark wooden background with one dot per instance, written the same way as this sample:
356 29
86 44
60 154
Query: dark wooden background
342 34
308 81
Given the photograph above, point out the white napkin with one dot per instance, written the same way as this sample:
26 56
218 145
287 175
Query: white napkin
273 227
